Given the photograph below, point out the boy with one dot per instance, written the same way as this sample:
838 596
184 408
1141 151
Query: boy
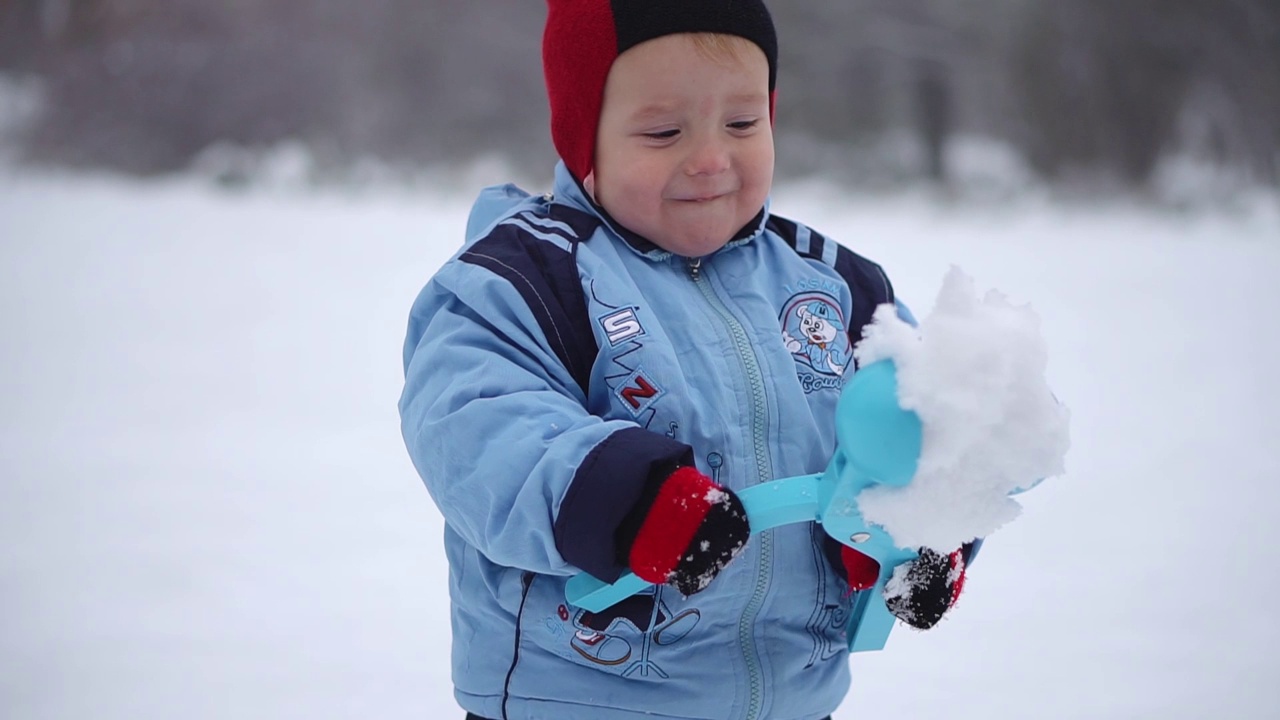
599 369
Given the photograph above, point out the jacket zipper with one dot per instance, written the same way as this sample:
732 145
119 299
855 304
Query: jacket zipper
764 473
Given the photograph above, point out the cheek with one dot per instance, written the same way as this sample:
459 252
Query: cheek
645 182
633 198
757 177
759 161
638 180
635 192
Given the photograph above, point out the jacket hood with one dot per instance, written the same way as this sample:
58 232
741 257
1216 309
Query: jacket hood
491 205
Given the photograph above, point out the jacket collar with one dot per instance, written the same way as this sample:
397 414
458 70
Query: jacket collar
570 192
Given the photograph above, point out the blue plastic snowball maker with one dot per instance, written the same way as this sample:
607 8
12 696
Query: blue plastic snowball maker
877 443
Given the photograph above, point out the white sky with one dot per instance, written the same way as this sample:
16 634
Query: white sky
206 510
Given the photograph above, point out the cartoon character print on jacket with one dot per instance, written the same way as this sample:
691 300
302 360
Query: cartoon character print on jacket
813 330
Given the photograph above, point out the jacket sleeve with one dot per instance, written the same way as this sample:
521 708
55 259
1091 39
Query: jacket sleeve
498 429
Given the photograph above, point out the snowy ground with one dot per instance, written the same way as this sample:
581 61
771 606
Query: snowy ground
206 510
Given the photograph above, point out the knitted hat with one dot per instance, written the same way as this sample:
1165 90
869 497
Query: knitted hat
584 37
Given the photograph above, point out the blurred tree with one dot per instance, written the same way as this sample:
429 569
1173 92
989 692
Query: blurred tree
853 72
150 83
20 34
876 88
457 79
935 116
1233 48
143 85
1104 83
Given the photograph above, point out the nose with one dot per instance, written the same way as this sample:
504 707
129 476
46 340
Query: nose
708 157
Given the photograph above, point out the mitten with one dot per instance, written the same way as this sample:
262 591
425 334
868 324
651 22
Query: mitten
923 590
683 531
860 571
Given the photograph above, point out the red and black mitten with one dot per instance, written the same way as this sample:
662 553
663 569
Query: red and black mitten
921 591
683 531
860 571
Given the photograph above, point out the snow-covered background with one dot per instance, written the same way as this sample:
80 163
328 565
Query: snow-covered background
206 510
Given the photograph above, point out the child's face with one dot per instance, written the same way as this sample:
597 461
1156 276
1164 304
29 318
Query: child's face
684 150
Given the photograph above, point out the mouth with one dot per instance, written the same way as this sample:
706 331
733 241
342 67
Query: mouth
701 197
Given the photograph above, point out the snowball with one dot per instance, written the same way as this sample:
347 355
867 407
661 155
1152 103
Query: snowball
974 371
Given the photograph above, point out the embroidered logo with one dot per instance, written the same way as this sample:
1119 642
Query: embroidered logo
637 392
815 332
620 326
621 337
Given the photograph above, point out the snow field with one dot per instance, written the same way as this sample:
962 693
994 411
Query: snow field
206 510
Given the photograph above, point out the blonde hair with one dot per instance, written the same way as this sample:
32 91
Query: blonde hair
721 47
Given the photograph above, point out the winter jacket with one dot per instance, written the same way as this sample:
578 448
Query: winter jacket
555 362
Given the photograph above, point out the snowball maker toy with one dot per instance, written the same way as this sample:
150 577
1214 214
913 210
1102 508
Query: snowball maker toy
877 443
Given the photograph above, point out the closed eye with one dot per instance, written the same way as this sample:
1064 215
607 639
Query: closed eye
663 134
743 124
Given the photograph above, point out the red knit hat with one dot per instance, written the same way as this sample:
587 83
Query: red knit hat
583 37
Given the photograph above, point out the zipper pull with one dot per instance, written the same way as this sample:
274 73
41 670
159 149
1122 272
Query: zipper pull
695 265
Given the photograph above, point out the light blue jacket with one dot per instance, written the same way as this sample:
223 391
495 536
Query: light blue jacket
552 366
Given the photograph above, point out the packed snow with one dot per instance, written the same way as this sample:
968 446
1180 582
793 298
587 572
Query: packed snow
974 372
206 510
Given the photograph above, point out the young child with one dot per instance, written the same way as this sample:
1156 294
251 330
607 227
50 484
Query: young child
599 369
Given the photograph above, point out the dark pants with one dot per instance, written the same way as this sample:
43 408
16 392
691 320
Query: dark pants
470 716
477 717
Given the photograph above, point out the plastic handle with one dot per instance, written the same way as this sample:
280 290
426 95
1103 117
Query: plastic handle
768 506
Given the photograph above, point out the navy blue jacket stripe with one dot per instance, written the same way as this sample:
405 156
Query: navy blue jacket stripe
817 244
546 276
582 224
549 225
866 280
